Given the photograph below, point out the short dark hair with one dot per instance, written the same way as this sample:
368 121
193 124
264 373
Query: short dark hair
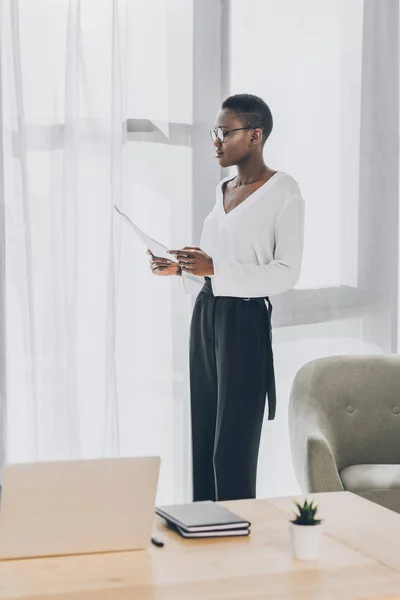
252 111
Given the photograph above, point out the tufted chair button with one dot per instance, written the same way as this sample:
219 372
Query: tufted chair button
350 408
395 410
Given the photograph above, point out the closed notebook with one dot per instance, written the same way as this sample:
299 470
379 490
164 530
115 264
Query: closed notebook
212 534
202 516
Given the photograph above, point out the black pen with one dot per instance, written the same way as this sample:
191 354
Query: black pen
157 542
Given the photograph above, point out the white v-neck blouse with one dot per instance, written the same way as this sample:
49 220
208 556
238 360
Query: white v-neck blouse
257 247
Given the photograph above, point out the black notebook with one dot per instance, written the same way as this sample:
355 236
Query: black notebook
204 516
208 533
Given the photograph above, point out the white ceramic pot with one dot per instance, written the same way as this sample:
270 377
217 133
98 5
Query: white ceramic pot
305 541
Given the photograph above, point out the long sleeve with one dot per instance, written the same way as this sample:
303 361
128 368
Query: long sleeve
192 284
241 280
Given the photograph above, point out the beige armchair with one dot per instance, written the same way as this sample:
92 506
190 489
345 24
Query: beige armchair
344 420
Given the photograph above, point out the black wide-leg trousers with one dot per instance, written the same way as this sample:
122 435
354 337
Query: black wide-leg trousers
231 374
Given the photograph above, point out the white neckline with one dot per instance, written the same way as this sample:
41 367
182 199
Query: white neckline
251 197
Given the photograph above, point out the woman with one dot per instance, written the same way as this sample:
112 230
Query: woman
251 248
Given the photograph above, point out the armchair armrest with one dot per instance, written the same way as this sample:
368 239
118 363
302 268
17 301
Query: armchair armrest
321 474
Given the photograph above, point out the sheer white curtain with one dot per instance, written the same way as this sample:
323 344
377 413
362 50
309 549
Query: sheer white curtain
97 108
89 88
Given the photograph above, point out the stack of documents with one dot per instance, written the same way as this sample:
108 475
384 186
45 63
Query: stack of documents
155 248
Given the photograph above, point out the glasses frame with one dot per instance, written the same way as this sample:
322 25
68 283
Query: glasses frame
215 133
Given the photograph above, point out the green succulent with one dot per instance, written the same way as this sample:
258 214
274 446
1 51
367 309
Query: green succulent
306 514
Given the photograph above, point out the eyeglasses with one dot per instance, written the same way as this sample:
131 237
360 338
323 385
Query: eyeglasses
222 133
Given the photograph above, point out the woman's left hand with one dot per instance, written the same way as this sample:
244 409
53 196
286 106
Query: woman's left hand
194 260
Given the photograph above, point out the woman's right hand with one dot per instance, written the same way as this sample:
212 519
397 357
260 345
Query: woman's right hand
163 266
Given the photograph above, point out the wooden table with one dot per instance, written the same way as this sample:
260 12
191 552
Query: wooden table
360 558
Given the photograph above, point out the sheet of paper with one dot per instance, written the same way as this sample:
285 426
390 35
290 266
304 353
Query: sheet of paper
155 247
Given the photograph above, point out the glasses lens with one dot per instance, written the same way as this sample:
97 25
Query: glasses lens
213 134
220 134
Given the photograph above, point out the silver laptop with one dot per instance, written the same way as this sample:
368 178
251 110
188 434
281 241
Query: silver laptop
77 507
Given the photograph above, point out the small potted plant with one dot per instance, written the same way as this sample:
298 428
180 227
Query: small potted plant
305 532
